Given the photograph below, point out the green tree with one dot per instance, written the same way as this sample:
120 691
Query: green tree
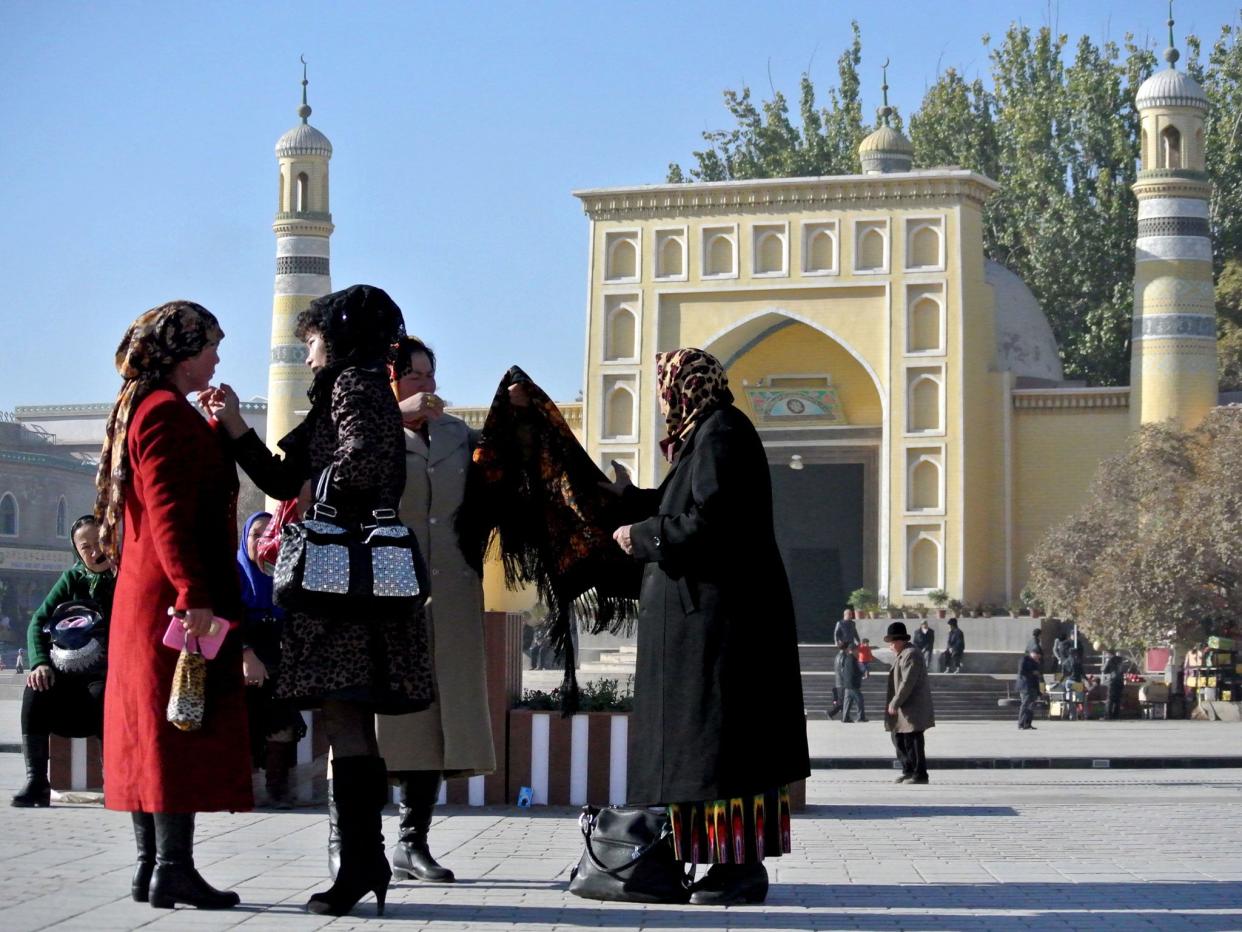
1155 547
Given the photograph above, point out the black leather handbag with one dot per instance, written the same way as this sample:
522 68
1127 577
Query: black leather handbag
628 857
328 567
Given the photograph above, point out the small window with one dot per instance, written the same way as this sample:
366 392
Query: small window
1143 152
280 193
924 570
925 485
925 325
672 258
62 518
1171 147
622 260
720 256
925 404
303 193
768 246
870 246
924 247
622 330
619 415
822 253
9 517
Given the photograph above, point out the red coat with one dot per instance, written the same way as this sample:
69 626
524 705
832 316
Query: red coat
178 549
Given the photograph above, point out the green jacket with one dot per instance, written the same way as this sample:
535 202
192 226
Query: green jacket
77 582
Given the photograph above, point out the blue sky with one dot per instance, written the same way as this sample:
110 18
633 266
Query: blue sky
136 159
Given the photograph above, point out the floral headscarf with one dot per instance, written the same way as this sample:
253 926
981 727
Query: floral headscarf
691 382
151 347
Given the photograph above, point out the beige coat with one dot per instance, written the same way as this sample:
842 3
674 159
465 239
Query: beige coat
454 735
910 689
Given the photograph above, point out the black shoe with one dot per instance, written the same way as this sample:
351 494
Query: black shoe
411 859
731 885
904 778
360 787
144 835
38 791
174 879
918 780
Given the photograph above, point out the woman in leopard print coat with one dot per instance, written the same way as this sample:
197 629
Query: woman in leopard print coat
350 666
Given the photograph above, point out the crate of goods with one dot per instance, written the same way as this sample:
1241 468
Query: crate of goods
1219 643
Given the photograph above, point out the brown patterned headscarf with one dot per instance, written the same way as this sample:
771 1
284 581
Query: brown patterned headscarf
691 383
151 347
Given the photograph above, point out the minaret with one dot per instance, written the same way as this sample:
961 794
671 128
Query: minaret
1173 361
303 226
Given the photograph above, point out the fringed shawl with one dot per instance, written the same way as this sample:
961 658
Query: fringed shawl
536 491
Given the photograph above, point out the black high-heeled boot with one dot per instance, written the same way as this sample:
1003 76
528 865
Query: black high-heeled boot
360 787
38 791
144 835
334 837
174 879
731 885
412 857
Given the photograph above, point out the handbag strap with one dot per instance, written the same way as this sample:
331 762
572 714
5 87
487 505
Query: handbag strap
586 823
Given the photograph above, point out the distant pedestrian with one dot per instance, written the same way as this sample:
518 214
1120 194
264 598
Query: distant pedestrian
1112 677
20 665
956 647
865 656
908 709
846 629
1028 687
849 680
1035 642
925 641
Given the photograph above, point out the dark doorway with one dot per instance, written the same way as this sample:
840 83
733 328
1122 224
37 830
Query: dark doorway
818 512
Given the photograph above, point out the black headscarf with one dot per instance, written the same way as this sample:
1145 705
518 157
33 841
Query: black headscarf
361 326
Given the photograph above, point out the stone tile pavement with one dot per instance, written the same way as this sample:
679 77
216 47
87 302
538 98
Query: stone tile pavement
975 850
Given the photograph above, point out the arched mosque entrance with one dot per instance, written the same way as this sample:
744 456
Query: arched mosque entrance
820 414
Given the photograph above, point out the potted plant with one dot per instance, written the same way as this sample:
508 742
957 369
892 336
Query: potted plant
862 601
957 607
938 598
1015 608
1031 601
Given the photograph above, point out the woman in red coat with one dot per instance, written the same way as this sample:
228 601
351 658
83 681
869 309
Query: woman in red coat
166 483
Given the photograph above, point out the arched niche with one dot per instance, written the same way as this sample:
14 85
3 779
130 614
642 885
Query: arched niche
923 567
672 257
622 259
622 336
302 193
619 412
769 251
924 401
720 255
870 250
924 247
925 485
822 252
923 335
1144 151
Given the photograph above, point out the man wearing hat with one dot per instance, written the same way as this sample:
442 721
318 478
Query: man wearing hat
908 712
1028 686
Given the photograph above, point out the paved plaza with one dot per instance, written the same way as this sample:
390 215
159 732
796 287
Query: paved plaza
975 850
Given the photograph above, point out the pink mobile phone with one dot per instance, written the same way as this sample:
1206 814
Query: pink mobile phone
208 645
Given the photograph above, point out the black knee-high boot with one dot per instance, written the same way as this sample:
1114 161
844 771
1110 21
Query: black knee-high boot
334 836
412 857
144 835
174 879
360 788
38 791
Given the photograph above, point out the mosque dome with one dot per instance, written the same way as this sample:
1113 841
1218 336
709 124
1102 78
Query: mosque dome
886 150
1025 345
1170 88
303 139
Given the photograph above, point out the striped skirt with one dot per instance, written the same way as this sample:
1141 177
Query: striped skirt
740 830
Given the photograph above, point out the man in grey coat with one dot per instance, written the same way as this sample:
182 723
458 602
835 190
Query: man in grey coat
846 629
849 681
908 713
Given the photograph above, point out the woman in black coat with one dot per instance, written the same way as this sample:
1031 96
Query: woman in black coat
718 729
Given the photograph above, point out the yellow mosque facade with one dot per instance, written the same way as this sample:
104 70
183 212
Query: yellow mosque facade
908 391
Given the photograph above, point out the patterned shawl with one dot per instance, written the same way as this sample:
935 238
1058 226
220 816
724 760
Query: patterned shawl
151 347
537 491
691 383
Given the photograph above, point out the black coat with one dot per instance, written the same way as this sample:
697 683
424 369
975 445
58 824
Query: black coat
717 692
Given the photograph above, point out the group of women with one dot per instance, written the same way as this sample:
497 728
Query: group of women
717 725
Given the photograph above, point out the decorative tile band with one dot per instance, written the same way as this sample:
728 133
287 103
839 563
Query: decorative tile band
1173 226
1164 248
312 286
1173 207
1056 398
302 265
303 246
288 354
1198 326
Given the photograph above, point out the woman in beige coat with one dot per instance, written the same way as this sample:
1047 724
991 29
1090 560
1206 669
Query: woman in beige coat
453 738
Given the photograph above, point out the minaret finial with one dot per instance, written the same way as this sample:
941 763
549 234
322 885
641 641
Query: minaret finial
1171 55
304 111
886 111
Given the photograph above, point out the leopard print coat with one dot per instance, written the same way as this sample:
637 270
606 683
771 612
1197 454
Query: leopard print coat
383 661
